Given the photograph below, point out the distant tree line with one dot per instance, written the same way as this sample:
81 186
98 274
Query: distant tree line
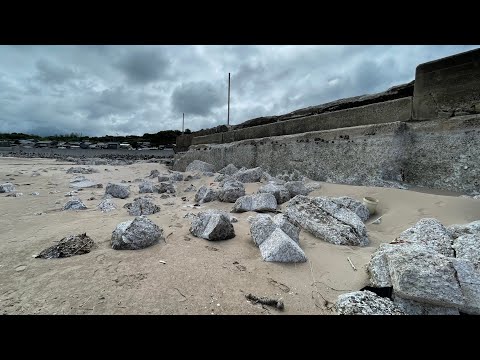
165 137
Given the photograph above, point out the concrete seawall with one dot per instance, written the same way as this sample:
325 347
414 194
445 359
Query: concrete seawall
442 154
384 112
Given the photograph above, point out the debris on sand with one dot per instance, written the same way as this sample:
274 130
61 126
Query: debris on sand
68 246
278 304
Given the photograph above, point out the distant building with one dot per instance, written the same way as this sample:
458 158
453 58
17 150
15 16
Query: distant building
43 144
125 146
113 145
85 144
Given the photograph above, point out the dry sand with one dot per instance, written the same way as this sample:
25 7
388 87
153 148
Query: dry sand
198 276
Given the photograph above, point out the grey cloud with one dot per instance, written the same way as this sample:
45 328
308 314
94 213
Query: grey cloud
51 73
111 101
198 98
143 66
98 90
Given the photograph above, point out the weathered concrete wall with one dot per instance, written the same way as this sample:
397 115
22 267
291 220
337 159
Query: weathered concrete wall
448 87
91 152
184 141
438 154
384 112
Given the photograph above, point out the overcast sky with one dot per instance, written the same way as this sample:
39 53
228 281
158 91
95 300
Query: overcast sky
98 90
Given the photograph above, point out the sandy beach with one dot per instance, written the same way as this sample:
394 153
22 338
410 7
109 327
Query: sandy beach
185 274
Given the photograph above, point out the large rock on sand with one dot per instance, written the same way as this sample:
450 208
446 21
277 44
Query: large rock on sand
255 202
365 303
231 191
327 220
354 205
230 169
249 175
430 233
143 206
120 191
74 204
212 225
280 192
145 187
206 194
136 234
201 166
7 187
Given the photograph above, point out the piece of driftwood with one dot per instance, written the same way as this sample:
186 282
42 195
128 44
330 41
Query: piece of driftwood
353 266
266 301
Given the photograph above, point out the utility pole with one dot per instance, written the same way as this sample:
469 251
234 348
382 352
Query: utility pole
183 124
228 115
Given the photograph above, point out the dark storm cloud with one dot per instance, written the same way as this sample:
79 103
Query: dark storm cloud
197 98
98 90
51 73
143 66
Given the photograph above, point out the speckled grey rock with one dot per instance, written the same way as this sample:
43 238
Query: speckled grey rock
327 220
136 234
190 188
378 268
294 175
468 276
7 187
78 179
249 175
188 178
365 303
297 188
255 202
457 230
165 187
411 307
261 226
145 187
154 174
120 191
176 176
287 227
163 178
231 191
222 177
143 206
81 170
74 204
230 169
279 247
424 277
212 225
311 186
468 247
85 184
106 205
431 233
208 173
206 194
197 165
280 192
354 205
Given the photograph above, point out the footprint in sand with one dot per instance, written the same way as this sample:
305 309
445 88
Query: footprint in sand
422 211
441 203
